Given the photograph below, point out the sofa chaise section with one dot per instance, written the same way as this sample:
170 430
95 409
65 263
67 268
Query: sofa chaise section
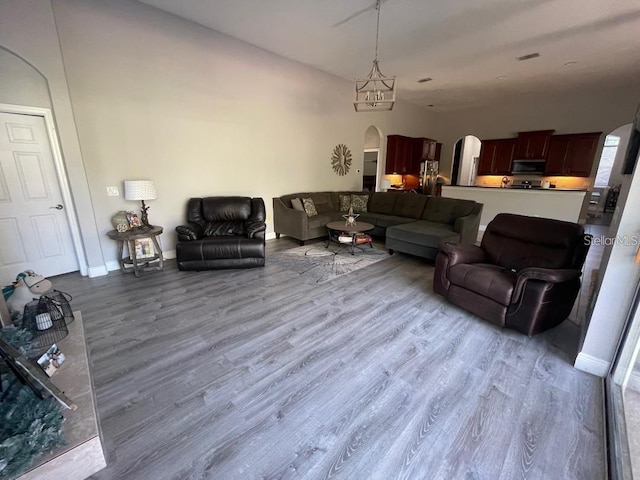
443 220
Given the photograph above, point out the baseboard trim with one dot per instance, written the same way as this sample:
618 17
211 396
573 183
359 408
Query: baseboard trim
113 265
592 365
270 235
100 271
634 381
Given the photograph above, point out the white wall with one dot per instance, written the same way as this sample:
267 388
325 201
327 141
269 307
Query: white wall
28 30
21 83
371 138
203 114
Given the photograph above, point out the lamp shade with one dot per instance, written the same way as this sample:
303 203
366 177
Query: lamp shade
139 190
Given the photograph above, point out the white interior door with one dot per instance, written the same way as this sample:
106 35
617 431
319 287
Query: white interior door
34 230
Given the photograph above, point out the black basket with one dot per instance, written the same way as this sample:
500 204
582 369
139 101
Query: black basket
46 322
62 299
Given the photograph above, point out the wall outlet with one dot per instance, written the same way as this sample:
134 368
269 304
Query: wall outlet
112 191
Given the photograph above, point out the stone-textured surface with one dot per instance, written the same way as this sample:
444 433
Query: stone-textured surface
82 455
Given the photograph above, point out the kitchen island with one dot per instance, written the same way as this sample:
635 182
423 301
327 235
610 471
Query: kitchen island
549 203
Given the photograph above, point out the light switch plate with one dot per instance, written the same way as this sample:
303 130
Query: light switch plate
112 191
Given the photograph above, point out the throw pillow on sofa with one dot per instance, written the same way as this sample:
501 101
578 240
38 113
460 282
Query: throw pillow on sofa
359 203
345 203
309 207
296 203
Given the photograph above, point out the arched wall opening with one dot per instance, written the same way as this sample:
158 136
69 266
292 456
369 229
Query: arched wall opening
373 166
466 153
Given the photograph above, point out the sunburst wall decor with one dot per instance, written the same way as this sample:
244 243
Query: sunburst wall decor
341 159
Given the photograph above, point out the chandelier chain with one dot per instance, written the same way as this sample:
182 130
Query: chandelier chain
377 29
375 92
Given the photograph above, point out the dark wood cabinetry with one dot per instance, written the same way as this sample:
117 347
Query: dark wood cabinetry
533 145
438 151
404 154
496 156
397 152
572 154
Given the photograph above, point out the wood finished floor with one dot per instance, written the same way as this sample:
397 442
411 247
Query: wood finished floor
259 374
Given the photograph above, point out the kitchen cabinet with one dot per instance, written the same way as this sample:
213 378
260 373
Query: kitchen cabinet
533 145
496 156
404 154
397 151
428 148
572 154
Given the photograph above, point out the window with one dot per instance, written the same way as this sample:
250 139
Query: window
606 161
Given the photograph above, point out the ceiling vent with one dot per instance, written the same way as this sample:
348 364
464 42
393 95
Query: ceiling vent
528 57
424 80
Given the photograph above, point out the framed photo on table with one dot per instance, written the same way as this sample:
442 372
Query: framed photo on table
144 248
133 219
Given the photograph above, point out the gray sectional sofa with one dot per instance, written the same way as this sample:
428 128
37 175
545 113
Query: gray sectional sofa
410 223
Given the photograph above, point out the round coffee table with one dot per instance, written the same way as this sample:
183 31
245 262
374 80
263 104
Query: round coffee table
335 229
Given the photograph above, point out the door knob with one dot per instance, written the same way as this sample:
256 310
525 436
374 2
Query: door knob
57 207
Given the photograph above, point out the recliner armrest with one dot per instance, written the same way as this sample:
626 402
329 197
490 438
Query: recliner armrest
254 227
549 275
462 253
191 231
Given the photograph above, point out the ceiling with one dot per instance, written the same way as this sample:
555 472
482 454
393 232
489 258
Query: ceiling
468 47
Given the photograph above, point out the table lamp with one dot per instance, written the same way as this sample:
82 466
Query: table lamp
140 190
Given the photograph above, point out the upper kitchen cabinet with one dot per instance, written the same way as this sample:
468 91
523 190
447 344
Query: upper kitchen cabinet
428 148
404 154
572 154
496 156
533 145
396 146
438 151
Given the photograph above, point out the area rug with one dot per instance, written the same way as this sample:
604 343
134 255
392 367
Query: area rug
317 263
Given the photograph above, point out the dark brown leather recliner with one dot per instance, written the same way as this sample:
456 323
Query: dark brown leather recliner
525 275
222 232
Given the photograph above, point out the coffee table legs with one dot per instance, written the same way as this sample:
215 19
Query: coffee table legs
334 236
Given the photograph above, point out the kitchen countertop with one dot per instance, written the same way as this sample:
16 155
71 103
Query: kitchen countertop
536 189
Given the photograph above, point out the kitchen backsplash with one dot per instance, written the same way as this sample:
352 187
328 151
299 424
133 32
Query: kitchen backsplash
559 182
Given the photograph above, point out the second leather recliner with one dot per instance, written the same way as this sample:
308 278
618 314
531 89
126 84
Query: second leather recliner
222 232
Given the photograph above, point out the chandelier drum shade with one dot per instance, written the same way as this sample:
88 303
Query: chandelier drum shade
375 92
140 190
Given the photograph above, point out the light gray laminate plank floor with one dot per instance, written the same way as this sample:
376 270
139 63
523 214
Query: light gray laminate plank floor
259 374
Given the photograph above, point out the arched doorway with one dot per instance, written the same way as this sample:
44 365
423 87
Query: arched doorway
609 177
371 166
466 153
38 208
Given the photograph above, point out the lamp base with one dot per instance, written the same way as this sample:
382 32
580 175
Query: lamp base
144 217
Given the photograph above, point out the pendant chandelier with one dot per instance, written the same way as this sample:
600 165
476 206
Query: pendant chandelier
376 92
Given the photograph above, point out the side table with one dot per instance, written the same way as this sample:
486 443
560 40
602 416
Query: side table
139 258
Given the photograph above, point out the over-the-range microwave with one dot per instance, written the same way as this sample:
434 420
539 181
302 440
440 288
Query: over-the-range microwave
532 167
